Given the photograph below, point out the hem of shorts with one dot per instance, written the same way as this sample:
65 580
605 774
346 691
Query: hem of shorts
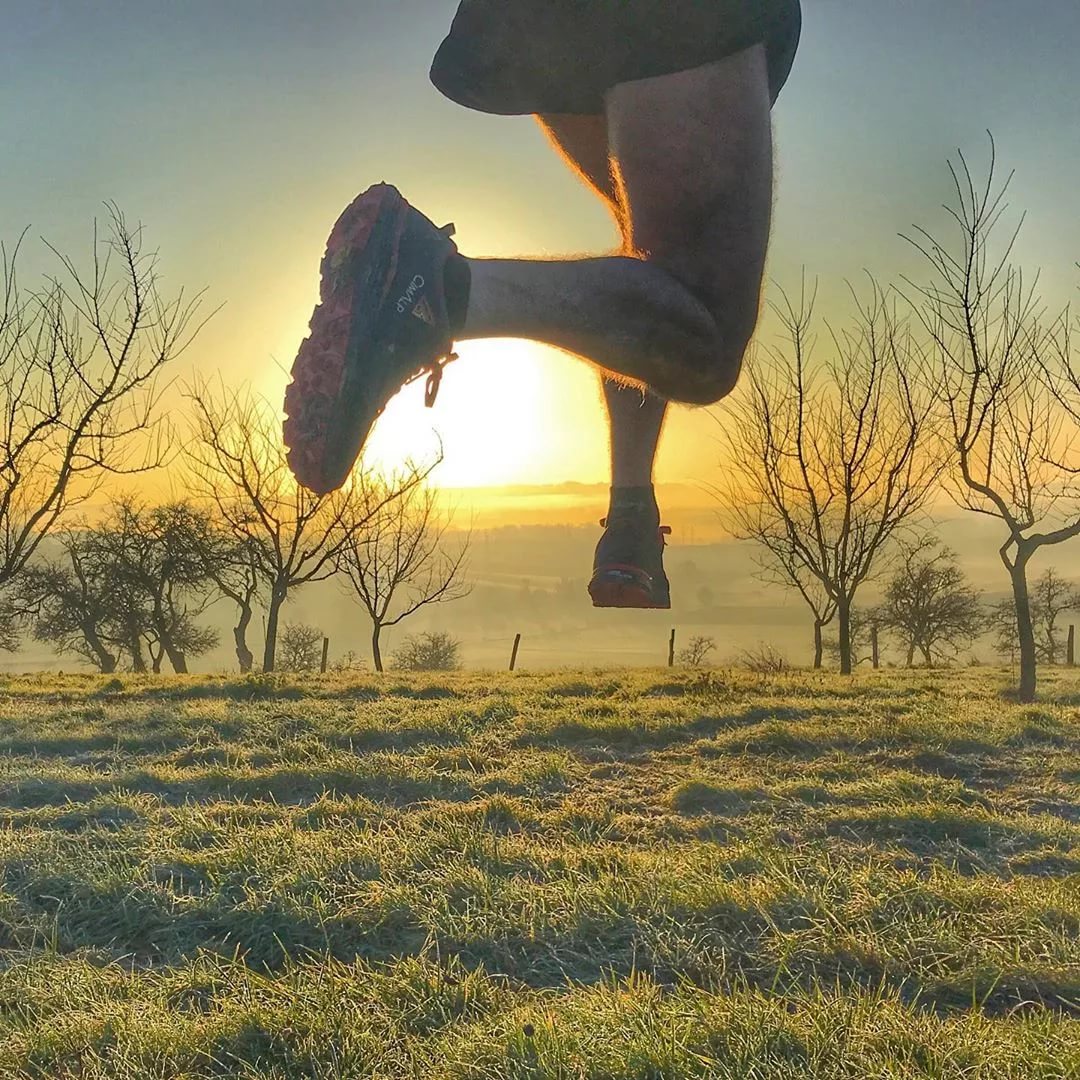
593 107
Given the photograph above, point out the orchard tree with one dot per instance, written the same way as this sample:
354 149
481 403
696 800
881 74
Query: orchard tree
233 567
130 584
80 357
300 648
988 352
293 537
399 561
827 460
69 605
1050 597
929 604
156 557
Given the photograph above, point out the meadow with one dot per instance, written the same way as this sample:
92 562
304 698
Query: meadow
644 874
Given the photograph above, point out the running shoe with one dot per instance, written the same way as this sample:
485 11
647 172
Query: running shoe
382 322
628 571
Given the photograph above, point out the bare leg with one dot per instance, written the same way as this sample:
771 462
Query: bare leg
692 159
635 416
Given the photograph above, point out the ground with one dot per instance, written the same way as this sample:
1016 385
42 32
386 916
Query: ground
610 875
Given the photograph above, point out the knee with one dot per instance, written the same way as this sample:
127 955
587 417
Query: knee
718 366
726 308
716 376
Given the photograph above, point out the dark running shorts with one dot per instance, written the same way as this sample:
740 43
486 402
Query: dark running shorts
560 56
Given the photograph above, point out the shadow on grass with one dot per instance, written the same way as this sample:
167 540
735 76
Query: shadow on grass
284 786
204 742
717 945
278 686
623 729
926 833
77 748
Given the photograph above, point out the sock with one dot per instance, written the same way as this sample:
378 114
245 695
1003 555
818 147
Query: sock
457 281
635 501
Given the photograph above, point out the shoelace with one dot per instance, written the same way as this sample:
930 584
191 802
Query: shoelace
434 373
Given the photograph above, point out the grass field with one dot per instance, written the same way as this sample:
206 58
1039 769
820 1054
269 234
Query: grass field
640 875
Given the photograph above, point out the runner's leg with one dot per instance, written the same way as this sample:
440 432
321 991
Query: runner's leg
692 154
635 418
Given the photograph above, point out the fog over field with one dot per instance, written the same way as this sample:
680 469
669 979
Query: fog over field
530 579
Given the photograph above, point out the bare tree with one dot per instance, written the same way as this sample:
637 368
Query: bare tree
80 358
155 556
697 651
436 651
69 605
929 604
987 338
293 537
11 623
826 461
131 583
301 648
1050 597
398 563
781 562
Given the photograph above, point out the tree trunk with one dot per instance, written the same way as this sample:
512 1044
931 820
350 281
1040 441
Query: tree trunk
176 657
819 646
138 661
376 649
843 611
105 660
1024 628
273 613
911 654
243 653
927 658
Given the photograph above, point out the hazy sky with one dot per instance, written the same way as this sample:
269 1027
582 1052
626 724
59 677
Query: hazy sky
236 130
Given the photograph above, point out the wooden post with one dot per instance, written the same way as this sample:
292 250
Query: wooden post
325 654
874 647
1070 649
671 650
514 654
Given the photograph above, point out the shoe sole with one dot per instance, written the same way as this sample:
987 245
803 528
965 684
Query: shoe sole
616 587
320 430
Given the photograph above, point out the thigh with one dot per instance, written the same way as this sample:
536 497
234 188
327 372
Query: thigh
692 154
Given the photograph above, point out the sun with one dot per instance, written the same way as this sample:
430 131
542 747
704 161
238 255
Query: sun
508 412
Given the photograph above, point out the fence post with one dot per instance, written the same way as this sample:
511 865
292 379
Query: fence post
514 654
1070 649
671 650
874 647
325 654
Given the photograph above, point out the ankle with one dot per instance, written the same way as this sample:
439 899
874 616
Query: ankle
637 501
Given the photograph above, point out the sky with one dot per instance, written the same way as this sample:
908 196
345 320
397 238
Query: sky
236 131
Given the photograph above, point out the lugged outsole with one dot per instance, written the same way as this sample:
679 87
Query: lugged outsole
313 399
616 589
